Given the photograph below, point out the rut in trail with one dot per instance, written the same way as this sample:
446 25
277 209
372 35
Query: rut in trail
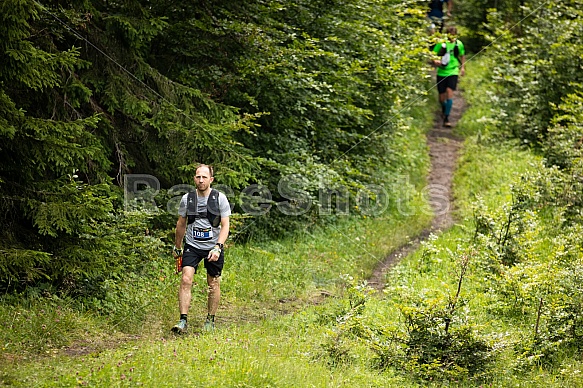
443 151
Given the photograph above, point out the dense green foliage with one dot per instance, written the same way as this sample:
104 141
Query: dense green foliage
314 93
535 48
474 14
533 242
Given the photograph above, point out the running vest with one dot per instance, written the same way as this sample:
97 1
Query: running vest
446 55
213 213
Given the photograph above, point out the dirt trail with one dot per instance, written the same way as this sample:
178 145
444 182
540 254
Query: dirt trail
443 150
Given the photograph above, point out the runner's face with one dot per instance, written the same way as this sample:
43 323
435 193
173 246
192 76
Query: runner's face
203 179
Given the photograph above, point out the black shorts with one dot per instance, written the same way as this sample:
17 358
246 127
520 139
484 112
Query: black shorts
192 257
446 82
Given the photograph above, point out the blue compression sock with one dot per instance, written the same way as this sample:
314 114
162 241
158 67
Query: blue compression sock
448 105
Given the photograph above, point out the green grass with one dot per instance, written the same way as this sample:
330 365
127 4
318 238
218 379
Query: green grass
260 283
243 356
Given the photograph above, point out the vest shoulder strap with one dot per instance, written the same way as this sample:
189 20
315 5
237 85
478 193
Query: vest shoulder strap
192 203
213 208
212 213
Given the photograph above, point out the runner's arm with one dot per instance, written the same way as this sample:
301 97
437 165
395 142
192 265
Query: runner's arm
224 233
180 231
463 69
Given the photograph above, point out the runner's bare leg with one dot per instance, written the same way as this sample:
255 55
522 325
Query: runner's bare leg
185 291
214 293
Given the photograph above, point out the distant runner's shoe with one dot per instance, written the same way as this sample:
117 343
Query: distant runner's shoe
209 325
446 122
180 327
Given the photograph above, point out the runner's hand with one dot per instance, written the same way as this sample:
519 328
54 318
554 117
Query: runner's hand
177 252
214 254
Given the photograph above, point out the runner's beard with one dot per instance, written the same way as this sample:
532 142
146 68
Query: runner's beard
202 186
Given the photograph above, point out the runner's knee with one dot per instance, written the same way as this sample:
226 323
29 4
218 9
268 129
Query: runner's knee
186 280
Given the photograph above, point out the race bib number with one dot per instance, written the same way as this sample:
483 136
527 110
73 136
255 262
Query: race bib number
201 234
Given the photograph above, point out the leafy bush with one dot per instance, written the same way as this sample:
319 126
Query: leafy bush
436 347
539 288
536 64
435 342
438 341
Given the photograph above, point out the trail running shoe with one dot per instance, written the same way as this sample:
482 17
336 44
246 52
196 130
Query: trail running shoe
446 122
180 327
209 325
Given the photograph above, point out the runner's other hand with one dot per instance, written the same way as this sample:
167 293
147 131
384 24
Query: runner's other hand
177 252
214 254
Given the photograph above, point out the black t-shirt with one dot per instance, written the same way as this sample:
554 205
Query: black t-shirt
436 4
436 7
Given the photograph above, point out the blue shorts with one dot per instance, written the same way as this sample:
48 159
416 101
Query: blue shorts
193 256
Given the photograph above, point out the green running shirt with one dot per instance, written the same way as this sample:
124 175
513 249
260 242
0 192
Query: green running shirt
453 67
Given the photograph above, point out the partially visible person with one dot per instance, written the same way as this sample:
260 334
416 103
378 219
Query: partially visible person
436 14
204 221
450 65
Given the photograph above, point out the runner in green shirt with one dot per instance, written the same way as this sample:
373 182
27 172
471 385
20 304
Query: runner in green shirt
449 67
